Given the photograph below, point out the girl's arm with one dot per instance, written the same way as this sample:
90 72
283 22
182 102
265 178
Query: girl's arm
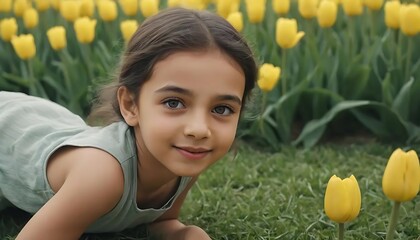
92 187
169 227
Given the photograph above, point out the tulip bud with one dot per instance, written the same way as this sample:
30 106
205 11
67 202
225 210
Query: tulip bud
174 3
236 20
374 5
24 46
401 178
307 8
70 9
128 28
223 7
255 10
8 28
281 6
392 14
42 5
287 35
342 200
129 7
410 19
149 7
20 6
55 4
87 8
57 37
5 6
85 29
327 13
30 18
107 10
268 76
353 7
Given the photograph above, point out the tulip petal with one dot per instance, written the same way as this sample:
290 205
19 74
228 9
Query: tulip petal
393 178
412 176
336 203
355 196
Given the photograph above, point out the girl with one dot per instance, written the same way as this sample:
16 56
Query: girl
172 112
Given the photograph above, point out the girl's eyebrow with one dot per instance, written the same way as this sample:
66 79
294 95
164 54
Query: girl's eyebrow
176 89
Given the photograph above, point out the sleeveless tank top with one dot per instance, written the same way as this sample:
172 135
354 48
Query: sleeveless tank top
32 129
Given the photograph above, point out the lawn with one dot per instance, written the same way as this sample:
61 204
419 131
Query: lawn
259 195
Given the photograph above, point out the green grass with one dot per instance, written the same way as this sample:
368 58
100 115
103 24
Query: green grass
257 195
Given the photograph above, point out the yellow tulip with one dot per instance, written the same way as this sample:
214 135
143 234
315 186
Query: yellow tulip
327 13
223 7
20 6
342 200
70 9
255 10
149 7
57 37
5 5
236 20
129 7
410 19
30 18
234 6
128 28
42 5
353 7
55 4
87 8
392 14
8 28
287 35
307 8
107 10
401 178
24 46
281 6
268 76
85 29
193 4
174 3
374 5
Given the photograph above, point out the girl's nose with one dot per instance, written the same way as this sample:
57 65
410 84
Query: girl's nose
197 127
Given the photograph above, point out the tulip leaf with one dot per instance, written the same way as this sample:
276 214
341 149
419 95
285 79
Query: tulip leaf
356 81
23 82
387 93
401 103
313 130
385 124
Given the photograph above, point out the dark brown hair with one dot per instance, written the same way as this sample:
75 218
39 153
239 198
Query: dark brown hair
172 30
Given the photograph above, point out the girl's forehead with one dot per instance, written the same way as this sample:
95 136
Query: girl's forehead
198 69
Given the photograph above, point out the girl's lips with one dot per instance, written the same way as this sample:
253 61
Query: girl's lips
193 154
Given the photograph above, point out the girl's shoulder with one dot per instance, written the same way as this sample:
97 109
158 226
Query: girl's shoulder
87 164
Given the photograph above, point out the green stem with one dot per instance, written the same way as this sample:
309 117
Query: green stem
86 55
393 222
283 67
351 33
263 103
372 25
408 65
340 231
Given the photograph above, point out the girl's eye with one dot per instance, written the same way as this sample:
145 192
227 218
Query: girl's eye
223 110
173 103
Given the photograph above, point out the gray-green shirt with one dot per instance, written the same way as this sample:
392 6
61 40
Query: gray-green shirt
31 129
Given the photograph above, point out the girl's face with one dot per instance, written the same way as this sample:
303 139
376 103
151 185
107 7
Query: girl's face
188 111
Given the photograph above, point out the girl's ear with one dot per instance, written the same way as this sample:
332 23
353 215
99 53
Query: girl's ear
128 106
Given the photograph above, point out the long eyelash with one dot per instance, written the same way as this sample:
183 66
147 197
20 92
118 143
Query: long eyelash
171 99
